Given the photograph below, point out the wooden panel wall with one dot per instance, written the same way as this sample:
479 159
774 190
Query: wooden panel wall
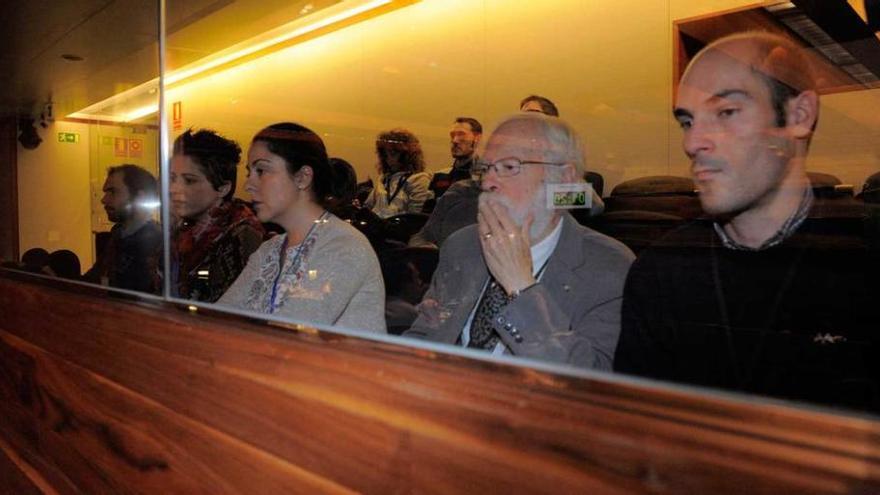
108 396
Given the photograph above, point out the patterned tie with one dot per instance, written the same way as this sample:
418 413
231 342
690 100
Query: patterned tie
483 335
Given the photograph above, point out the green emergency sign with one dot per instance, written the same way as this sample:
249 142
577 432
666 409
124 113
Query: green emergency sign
68 137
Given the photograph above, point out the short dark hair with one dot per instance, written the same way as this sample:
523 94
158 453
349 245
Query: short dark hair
404 142
300 146
215 155
547 106
474 123
137 180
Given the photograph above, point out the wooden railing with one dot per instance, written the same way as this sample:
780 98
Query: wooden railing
101 395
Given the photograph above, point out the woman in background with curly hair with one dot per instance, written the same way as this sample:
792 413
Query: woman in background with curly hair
403 183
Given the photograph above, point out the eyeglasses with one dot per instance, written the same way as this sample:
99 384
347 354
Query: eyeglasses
504 167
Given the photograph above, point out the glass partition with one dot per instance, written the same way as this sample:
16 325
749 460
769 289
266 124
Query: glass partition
87 158
326 162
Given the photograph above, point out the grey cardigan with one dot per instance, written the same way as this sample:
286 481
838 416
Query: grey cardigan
339 282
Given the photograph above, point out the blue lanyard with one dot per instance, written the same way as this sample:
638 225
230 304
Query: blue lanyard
283 254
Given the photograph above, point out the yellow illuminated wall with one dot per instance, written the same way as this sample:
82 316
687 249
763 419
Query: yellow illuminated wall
113 145
423 65
60 185
607 64
53 193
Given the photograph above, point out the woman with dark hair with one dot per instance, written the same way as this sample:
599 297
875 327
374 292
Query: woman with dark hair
215 233
321 270
403 182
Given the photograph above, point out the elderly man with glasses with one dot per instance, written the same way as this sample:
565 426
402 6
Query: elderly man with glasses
527 280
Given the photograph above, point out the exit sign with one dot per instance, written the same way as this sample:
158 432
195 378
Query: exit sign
68 137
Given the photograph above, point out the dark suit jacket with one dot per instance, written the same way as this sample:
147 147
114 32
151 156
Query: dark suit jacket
571 316
455 209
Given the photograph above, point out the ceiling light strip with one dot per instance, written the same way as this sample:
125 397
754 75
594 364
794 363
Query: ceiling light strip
236 53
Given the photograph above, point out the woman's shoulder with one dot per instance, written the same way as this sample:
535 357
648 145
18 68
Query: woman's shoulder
339 230
341 235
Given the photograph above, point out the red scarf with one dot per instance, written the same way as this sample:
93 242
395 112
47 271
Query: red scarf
193 240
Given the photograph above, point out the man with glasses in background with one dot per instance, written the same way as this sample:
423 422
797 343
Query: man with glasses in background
527 280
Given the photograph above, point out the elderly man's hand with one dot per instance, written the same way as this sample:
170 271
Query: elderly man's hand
506 246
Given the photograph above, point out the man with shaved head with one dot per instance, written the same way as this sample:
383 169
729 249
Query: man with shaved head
759 297
527 280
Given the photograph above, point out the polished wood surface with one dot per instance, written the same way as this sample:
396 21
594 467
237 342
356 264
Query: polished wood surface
101 395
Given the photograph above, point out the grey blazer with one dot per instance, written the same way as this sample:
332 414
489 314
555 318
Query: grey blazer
571 316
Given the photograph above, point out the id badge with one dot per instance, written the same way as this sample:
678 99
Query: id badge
569 196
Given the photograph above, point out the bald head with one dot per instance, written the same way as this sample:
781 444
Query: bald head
780 63
747 109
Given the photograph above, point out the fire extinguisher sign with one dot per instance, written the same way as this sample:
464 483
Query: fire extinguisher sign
177 115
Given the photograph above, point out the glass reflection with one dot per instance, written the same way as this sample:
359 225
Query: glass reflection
352 84
770 294
785 315
86 182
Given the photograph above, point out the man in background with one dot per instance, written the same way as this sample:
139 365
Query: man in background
464 137
130 259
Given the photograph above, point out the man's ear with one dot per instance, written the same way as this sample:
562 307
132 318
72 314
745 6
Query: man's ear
801 114
477 137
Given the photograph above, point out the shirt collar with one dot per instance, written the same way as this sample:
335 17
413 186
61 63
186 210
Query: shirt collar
541 251
788 227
